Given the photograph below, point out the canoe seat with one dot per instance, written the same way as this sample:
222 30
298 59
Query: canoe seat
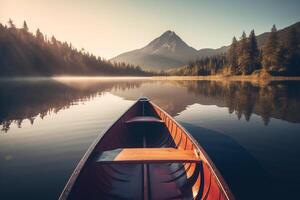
148 155
144 119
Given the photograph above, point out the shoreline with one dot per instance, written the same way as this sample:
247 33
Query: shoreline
230 78
247 78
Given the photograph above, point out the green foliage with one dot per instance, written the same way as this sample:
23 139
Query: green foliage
232 56
11 24
292 52
25 27
202 67
25 54
244 57
253 53
282 58
270 50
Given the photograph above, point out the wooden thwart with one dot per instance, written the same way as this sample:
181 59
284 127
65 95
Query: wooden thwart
144 119
148 155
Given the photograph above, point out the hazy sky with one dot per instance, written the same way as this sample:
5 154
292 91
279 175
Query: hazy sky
108 28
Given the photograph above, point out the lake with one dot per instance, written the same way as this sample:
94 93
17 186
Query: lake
250 130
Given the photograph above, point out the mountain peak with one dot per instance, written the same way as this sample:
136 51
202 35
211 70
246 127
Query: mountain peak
170 36
169 33
169 41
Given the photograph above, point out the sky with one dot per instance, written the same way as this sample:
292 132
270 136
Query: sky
108 28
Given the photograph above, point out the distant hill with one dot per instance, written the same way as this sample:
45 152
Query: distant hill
170 51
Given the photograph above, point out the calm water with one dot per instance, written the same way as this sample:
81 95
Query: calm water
251 132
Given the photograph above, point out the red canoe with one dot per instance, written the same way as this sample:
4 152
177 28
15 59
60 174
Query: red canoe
146 154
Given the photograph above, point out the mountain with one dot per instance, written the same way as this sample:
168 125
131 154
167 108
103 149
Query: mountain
164 52
170 51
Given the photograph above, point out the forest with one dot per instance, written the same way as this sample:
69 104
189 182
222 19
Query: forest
23 53
277 57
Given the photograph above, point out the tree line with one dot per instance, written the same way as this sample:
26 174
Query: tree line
244 57
202 67
23 53
246 99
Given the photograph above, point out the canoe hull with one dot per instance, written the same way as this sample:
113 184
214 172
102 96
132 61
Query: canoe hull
175 180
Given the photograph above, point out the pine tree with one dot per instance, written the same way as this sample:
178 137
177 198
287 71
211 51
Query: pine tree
253 53
39 35
233 56
11 24
25 27
292 48
53 40
270 52
243 56
281 59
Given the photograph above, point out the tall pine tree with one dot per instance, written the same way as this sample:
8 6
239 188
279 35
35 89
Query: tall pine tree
25 27
281 59
232 56
244 59
39 35
253 53
11 24
292 52
270 50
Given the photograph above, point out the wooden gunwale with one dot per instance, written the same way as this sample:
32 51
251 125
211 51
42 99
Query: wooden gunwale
203 155
70 183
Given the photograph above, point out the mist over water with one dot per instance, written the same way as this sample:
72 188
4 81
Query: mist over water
251 131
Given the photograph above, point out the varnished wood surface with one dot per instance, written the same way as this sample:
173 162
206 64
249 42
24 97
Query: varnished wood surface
175 167
148 155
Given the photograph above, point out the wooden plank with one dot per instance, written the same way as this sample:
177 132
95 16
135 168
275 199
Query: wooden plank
144 119
148 155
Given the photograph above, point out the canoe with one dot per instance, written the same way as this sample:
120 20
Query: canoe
146 154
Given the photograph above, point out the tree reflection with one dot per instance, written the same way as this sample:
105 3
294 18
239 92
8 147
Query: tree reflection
21 100
276 99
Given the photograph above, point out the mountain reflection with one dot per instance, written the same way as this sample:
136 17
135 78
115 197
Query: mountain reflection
21 100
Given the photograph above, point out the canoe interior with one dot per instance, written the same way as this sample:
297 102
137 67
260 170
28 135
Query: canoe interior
94 180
